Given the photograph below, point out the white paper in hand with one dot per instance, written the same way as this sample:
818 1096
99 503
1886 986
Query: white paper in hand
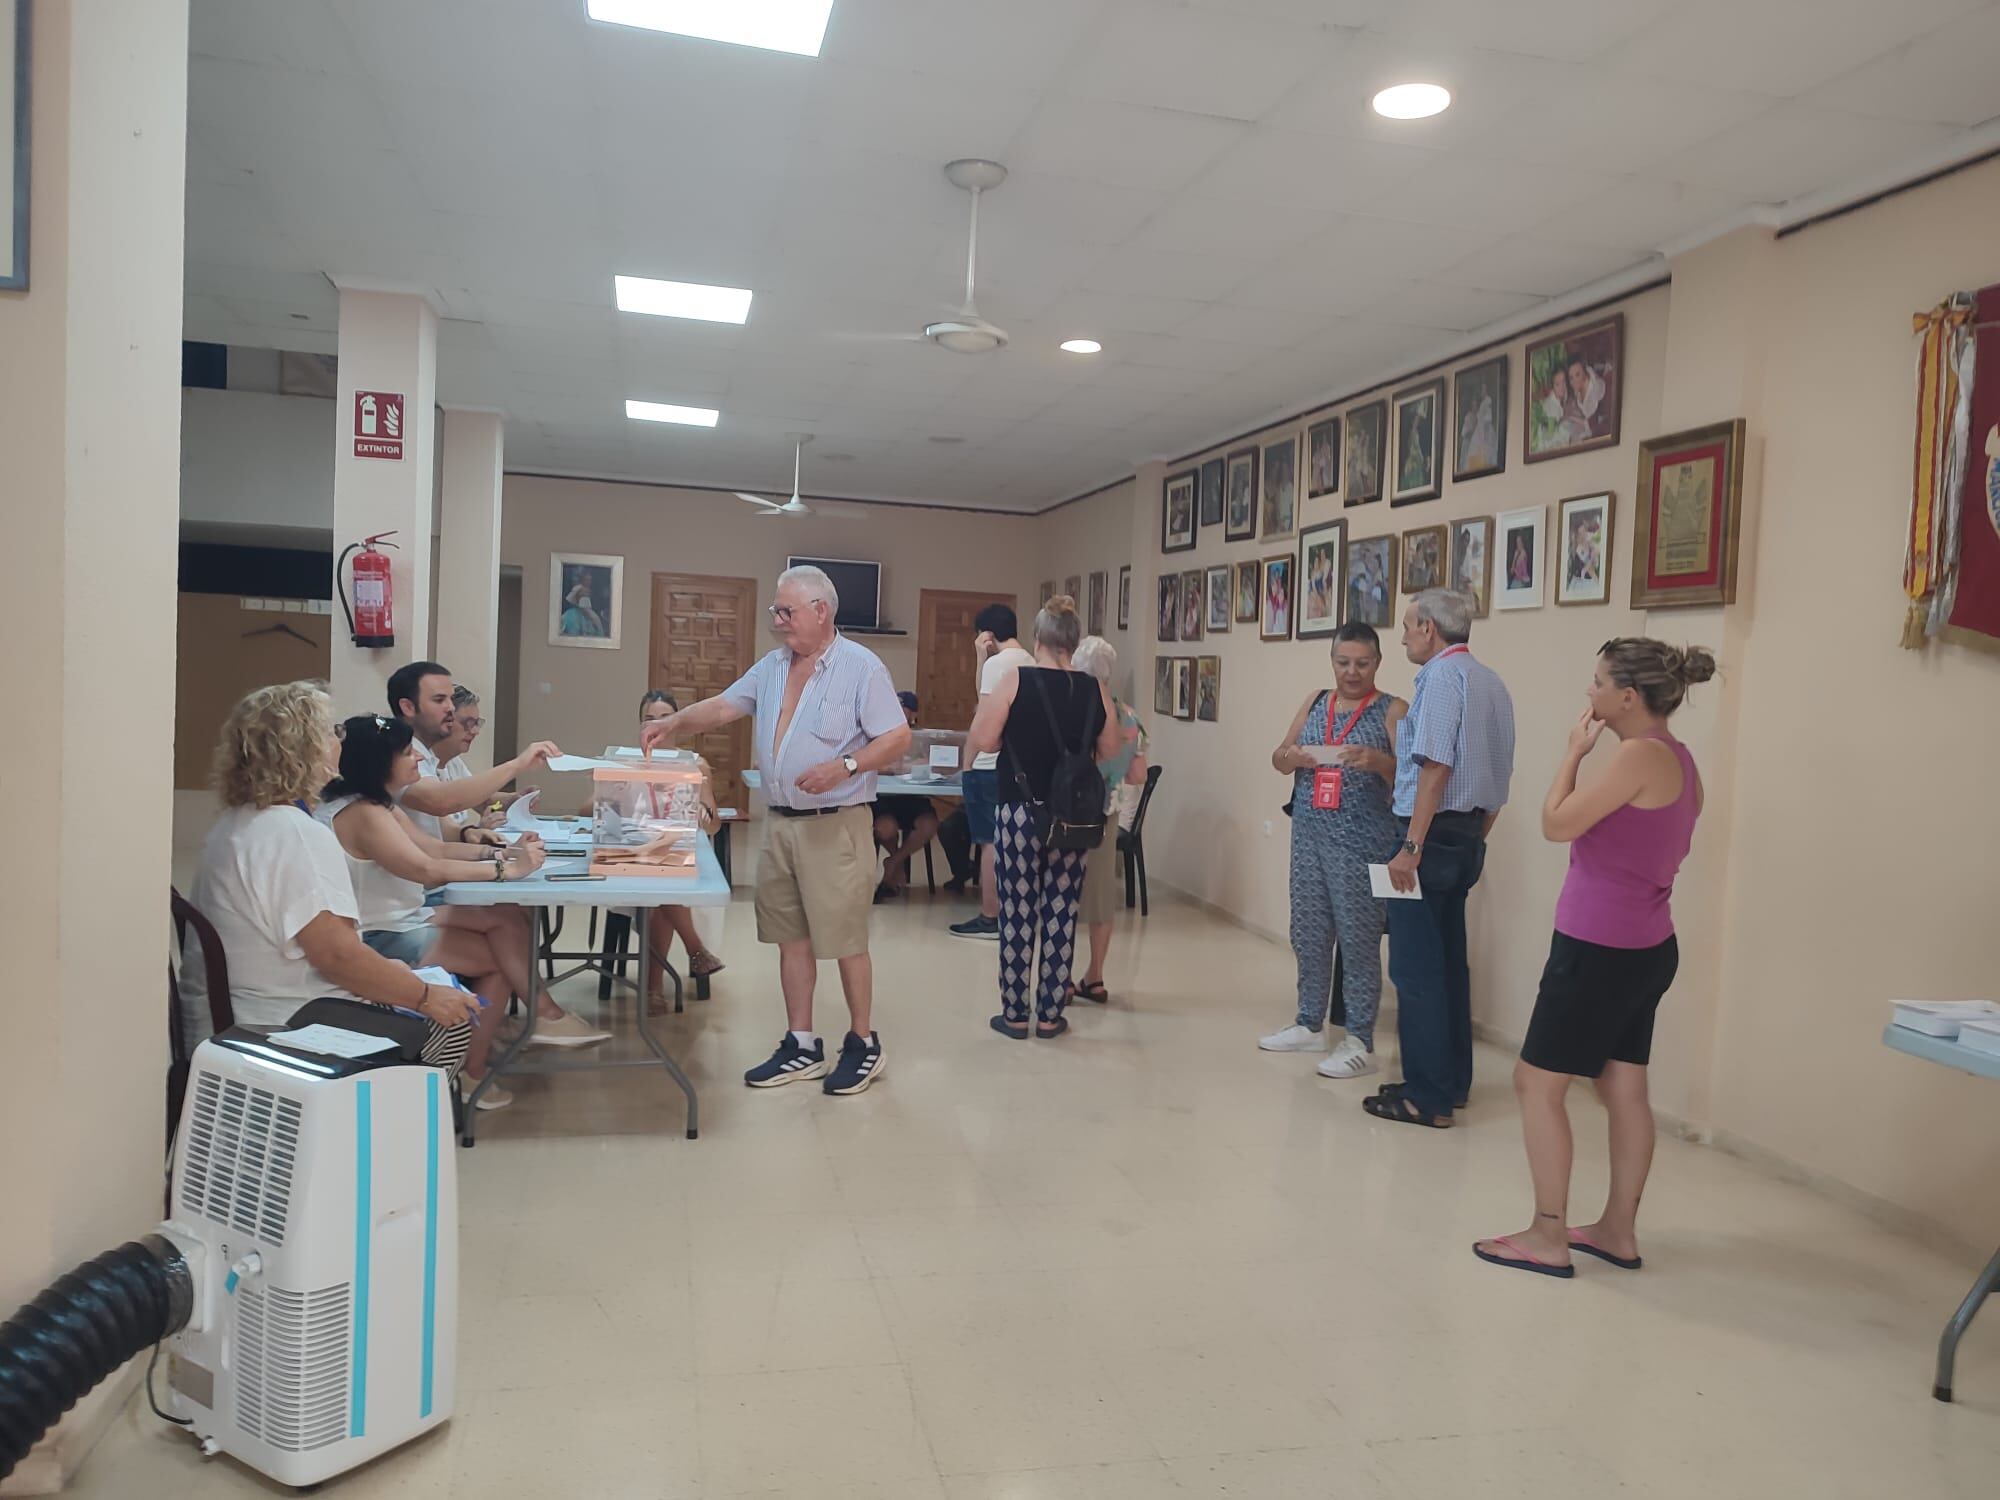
1382 889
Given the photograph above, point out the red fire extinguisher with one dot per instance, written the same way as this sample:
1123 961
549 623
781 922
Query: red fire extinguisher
371 618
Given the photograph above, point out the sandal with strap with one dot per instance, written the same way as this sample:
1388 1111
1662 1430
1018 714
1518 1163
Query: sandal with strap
1398 1109
704 963
1092 990
1523 1259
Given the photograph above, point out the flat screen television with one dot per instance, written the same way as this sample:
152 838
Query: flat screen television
859 585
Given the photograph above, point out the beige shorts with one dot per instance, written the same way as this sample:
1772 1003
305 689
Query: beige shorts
1100 880
816 879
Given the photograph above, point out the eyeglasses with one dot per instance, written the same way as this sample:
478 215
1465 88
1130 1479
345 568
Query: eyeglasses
783 612
473 724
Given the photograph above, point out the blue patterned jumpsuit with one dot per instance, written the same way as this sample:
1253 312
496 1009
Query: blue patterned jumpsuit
1331 900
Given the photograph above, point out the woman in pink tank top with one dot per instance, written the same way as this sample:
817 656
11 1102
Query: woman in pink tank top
1613 956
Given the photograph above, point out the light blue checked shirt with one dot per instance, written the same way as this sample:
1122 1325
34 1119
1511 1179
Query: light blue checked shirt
1460 716
848 701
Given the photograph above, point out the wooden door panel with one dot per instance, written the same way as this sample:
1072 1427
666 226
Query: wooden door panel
947 680
702 640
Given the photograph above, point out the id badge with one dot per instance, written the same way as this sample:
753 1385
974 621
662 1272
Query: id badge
1326 788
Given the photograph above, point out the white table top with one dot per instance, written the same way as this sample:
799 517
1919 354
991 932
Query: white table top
885 786
706 888
1939 1050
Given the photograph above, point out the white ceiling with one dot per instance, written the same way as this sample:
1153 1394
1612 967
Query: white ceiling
1198 183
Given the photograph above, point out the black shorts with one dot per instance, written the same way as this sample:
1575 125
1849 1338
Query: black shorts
1597 1005
905 810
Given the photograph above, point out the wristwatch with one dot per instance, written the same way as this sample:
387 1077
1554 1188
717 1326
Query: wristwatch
853 765
1412 848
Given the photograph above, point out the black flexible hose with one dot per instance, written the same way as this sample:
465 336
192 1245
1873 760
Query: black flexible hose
78 1332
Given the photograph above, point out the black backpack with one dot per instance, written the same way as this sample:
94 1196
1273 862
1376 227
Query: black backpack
1073 816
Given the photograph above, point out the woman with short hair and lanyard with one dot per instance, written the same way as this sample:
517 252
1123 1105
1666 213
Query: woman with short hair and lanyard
1339 755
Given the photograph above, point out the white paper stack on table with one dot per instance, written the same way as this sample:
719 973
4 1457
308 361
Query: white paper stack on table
1981 1035
521 819
1944 1018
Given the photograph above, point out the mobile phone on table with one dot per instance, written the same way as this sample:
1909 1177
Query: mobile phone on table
574 875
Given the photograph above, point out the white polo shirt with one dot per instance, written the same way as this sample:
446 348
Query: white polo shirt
427 770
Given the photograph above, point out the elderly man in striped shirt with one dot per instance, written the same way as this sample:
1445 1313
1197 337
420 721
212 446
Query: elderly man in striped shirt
825 720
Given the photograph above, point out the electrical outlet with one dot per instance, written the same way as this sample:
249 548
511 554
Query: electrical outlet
1268 827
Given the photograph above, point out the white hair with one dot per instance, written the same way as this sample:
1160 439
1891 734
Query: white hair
1097 656
1449 611
816 584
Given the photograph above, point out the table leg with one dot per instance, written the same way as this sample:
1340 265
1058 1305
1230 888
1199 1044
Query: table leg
1961 1320
721 842
495 1067
653 1042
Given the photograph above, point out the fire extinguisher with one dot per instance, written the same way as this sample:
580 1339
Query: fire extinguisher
371 618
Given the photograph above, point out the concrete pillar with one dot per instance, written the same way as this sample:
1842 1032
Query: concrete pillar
89 468
384 477
468 601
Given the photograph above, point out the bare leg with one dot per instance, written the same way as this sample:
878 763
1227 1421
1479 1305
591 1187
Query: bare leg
1545 1130
513 949
857 982
896 870
798 971
1622 1087
1100 949
989 885
469 954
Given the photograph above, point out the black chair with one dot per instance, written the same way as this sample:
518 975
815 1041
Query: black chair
1132 845
221 1013
620 948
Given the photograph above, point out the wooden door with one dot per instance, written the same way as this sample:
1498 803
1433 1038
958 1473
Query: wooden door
704 638
947 682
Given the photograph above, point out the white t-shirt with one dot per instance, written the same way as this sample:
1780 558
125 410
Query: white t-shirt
989 678
387 902
456 769
264 875
427 770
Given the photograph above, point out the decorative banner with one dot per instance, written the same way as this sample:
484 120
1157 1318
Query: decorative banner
1972 581
378 424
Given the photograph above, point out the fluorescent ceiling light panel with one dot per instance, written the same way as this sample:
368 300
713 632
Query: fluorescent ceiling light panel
776 25
1080 346
660 411
682 299
1413 101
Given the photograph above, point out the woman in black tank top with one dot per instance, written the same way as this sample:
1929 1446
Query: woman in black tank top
1039 887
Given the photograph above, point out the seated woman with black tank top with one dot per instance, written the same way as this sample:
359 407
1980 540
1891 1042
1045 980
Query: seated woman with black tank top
1032 717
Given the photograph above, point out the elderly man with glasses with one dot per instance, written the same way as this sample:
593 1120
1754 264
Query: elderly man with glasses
466 722
825 720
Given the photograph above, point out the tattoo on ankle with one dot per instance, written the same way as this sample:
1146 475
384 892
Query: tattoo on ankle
1541 1215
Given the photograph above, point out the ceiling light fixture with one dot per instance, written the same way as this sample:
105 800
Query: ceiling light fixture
776 25
1413 101
1081 346
681 299
660 411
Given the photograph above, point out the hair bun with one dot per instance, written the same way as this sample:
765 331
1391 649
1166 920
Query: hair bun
1060 604
1694 664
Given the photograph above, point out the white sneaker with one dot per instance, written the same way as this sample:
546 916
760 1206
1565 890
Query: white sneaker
567 1030
1350 1060
495 1096
1293 1038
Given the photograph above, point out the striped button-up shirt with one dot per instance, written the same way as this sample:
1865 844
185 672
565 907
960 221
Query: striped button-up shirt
1460 716
848 701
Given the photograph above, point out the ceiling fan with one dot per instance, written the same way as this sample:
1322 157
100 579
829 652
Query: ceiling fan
795 506
963 331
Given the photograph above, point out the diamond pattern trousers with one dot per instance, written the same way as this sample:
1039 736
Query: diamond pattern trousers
1039 889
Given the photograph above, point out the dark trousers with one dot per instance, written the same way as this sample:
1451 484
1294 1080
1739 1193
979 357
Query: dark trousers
1427 964
954 836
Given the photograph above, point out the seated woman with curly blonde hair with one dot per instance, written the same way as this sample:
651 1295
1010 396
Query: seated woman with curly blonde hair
275 885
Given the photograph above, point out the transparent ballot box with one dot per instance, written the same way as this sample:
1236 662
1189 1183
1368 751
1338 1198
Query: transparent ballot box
936 755
647 819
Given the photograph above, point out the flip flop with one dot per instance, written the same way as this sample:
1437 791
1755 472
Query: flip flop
1527 1261
1579 1241
1008 1028
1049 1031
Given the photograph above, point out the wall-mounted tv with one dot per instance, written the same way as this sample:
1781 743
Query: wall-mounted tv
859 585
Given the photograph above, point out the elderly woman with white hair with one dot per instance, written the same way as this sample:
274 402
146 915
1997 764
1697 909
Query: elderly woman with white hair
1127 767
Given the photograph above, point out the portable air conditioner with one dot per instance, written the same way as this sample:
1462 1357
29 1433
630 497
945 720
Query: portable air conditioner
315 1200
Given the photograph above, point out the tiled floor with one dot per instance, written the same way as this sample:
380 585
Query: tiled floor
1146 1260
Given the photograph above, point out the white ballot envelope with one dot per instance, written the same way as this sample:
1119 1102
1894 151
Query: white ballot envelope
1380 887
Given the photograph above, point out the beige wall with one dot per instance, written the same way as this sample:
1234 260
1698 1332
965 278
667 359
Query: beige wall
585 699
1094 535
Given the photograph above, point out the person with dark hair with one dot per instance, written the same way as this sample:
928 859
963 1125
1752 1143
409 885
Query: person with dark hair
1614 954
1338 753
670 922
420 695
995 652
903 825
391 863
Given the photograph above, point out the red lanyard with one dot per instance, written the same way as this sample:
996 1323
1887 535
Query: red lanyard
1354 718
1451 651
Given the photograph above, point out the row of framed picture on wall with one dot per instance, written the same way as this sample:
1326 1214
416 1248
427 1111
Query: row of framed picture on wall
1395 444
1188 687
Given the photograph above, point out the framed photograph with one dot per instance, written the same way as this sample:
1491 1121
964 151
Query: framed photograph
1520 549
1215 589
1281 489
1472 562
1208 689
1323 458
1239 521
1426 558
1367 426
1210 490
1073 588
14 118
1690 510
1371 581
1575 387
1170 606
1249 574
1183 687
1048 592
1419 416
1275 596
1093 619
586 600
1479 441
1163 685
1177 513
1125 598
1192 610
1322 554
1583 531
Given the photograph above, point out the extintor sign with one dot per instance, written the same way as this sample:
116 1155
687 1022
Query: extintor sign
378 424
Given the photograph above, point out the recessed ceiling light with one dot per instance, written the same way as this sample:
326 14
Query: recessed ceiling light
1413 101
681 299
776 25
660 411
939 437
1081 346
